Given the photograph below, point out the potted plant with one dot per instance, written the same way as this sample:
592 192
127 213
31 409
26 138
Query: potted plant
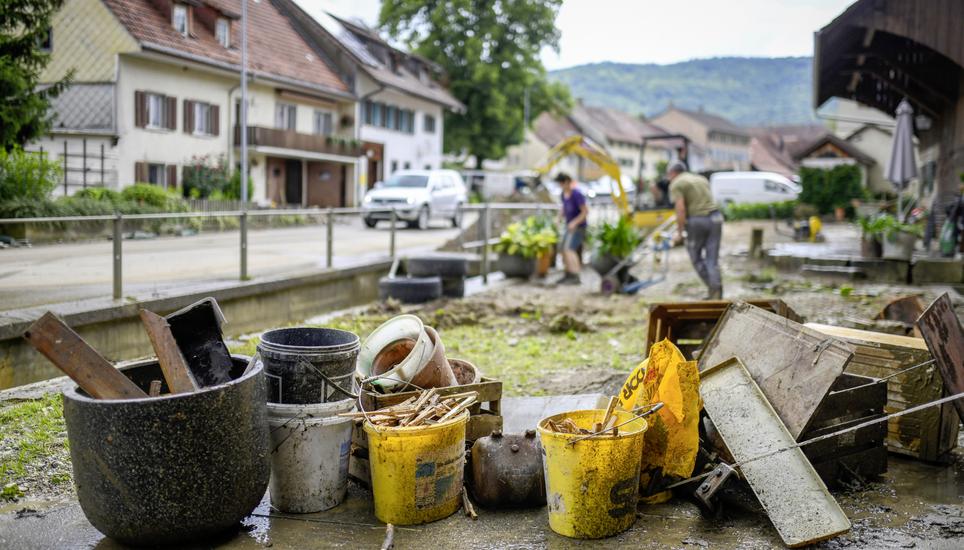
517 251
614 242
545 237
871 234
899 238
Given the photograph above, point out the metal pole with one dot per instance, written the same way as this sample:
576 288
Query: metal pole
84 169
458 215
244 245
102 165
65 167
244 105
391 235
485 244
118 256
330 239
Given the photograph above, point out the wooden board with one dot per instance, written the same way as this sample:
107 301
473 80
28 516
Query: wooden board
941 331
925 435
793 365
692 322
175 369
71 354
788 487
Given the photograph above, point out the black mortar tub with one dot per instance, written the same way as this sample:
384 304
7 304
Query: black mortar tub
174 468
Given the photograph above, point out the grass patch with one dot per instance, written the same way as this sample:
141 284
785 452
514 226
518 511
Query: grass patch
33 445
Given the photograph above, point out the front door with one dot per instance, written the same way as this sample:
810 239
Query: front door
293 181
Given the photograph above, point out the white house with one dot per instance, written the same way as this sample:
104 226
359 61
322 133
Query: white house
401 100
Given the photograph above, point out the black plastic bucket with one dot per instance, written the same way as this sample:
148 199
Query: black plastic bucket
304 364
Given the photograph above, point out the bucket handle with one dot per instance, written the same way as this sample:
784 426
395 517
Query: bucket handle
328 381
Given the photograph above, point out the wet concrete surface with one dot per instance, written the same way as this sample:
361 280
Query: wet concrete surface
915 505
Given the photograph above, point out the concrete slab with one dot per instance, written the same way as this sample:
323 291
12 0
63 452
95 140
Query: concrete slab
938 270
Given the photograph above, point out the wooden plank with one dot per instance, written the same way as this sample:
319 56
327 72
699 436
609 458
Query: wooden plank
944 337
790 490
870 336
71 354
793 365
175 369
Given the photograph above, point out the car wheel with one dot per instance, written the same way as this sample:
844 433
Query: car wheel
442 265
410 290
370 222
423 217
457 218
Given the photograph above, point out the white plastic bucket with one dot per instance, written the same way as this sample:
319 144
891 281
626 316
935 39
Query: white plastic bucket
401 327
310 447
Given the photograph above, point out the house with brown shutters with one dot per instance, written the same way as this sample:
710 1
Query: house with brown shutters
156 90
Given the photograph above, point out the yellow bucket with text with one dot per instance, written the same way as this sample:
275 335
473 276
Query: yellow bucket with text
592 485
417 471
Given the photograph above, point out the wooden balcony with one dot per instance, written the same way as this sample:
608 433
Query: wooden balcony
288 139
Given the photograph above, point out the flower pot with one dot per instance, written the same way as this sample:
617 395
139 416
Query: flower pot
899 246
870 247
604 263
840 213
544 262
515 265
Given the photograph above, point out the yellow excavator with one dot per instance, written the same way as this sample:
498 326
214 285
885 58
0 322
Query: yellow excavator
584 147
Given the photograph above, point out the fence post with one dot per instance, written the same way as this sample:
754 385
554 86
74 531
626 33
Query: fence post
459 213
84 169
102 184
329 238
118 256
65 167
391 235
244 245
485 244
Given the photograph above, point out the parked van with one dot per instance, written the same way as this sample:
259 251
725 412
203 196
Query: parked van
748 187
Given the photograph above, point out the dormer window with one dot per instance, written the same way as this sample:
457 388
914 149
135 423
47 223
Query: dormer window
179 19
222 31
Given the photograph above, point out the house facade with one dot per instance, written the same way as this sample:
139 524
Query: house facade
402 100
724 145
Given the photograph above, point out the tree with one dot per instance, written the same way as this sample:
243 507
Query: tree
24 113
490 51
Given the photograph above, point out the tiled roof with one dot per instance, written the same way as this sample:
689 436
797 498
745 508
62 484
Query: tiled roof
774 148
849 148
552 129
274 47
623 127
713 122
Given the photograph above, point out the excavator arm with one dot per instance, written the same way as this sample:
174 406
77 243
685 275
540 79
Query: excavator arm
585 148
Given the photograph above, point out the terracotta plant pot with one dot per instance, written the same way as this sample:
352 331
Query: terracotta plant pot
840 213
544 262
465 373
870 247
436 373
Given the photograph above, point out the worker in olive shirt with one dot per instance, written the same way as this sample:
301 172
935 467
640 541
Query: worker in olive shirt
699 217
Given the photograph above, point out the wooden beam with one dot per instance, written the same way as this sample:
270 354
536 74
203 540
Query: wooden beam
175 369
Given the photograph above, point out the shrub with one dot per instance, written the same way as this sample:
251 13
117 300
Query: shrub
99 194
147 194
528 238
759 210
232 188
204 176
833 188
617 240
26 175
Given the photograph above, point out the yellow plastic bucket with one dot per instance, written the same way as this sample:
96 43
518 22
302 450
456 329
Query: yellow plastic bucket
592 485
417 471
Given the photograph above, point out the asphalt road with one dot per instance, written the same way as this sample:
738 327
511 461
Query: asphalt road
47 274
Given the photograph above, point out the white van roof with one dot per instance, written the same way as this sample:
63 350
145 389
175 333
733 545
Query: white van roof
750 175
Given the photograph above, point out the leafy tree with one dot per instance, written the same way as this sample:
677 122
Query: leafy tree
829 189
24 112
490 51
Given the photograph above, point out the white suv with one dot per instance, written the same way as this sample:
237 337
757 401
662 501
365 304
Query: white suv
417 196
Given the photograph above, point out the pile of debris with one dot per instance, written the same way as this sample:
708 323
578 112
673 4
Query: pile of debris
427 409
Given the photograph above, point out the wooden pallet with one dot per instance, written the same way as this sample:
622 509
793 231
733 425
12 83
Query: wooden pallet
687 324
927 435
485 417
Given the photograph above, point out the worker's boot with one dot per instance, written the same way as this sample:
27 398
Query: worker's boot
715 294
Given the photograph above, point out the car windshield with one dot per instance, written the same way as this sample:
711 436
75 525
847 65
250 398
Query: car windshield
407 181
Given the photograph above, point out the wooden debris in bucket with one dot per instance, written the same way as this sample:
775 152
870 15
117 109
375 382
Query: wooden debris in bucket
425 409
608 424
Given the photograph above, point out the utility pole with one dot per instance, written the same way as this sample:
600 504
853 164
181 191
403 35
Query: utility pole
244 104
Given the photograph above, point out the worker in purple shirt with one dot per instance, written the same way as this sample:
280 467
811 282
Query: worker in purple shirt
574 212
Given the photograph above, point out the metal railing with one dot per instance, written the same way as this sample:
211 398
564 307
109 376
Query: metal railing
117 234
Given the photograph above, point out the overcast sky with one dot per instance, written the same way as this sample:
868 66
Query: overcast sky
663 31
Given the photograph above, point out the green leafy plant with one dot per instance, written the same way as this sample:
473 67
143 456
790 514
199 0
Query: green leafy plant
617 240
204 176
152 195
890 226
528 238
872 226
833 188
759 210
99 194
26 175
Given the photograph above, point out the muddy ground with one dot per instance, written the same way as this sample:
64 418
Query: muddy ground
542 339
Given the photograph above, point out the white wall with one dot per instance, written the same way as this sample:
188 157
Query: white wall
53 148
419 150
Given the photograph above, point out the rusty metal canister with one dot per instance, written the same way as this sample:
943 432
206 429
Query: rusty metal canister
507 470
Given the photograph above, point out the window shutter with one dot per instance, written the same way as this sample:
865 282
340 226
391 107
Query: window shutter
215 125
140 109
188 116
171 113
140 172
171 176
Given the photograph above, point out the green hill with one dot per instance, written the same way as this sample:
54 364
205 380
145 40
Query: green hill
746 90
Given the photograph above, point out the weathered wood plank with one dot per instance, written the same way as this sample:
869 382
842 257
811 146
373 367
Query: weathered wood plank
176 372
942 332
793 365
71 354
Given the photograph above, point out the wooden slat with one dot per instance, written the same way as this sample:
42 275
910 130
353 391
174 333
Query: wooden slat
942 333
175 369
71 354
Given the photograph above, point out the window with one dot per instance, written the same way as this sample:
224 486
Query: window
408 165
222 31
156 111
285 116
428 124
394 166
157 174
45 41
369 108
179 18
201 118
390 117
376 114
324 123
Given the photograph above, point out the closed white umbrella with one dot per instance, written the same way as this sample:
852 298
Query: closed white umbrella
902 166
